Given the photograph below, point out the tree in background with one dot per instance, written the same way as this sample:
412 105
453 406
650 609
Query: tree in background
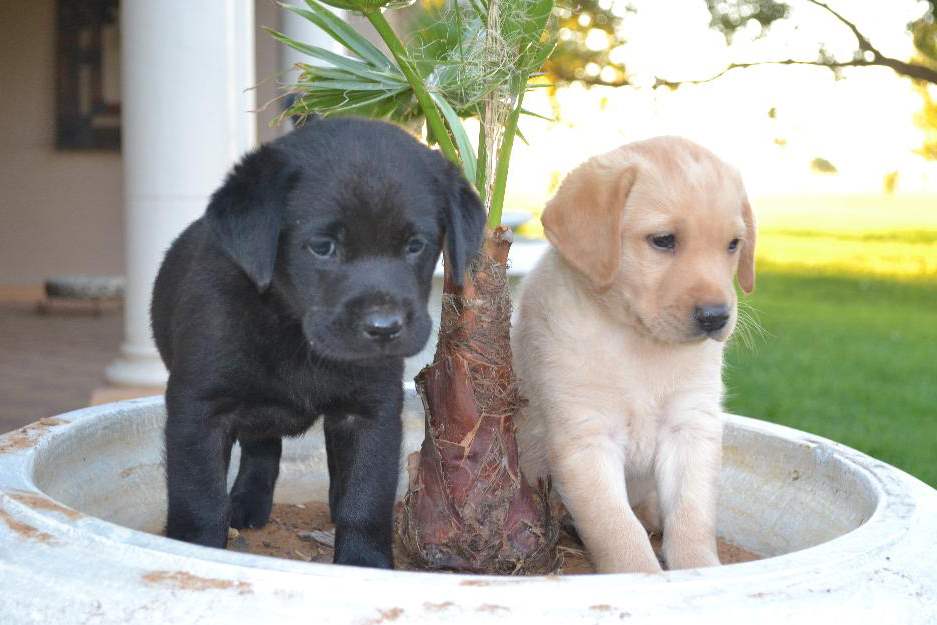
592 49
924 31
588 47
729 16
579 46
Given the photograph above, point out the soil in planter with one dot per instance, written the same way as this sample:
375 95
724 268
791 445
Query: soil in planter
304 532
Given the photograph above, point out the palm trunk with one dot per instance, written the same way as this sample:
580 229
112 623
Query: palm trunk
468 508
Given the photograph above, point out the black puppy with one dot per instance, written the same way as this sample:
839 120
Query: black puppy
298 294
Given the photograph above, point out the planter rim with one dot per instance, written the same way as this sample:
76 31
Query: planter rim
890 548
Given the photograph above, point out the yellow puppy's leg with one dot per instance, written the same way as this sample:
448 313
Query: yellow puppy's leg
689 455
589 476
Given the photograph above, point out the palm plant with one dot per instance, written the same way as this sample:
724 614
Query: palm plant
468 506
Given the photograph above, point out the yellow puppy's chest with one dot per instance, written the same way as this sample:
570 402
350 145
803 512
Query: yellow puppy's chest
650 384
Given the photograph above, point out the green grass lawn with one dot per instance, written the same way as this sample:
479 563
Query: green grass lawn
847 296
850 358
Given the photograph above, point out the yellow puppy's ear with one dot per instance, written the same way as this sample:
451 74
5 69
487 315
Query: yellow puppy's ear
746 271
583 220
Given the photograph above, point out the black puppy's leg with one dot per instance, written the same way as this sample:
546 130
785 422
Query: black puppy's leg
364 452
198 447
334 478
252 494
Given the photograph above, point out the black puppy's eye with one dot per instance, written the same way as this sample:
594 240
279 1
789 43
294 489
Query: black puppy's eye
415 245
323 248
733 245
663 241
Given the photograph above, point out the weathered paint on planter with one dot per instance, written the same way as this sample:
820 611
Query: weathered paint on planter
853 538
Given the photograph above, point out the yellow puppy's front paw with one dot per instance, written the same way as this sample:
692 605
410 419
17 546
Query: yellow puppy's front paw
691 558
643 562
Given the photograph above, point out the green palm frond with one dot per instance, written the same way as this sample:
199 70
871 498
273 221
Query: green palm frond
466 151
367 6
366 83
453 65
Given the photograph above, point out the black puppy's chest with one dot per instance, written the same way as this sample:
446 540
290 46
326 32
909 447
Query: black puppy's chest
291 387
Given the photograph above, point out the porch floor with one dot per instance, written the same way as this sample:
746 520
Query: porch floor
51 363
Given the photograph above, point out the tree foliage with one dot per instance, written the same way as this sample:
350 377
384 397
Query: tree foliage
924 31
580 55
576 60
729 16
589 31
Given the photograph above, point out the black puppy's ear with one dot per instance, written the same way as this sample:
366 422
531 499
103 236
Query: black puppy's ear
465 225
246 212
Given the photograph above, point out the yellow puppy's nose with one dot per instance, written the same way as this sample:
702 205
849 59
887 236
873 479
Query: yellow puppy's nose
711 317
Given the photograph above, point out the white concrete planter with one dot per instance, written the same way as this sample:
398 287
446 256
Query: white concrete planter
850 538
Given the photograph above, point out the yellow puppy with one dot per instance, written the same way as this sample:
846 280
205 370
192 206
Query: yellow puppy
618 345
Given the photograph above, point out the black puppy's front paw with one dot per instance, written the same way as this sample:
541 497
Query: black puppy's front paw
356 547
250 510
213 535
370 558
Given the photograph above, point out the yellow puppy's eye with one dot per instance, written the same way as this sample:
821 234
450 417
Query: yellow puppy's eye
666 242
734 245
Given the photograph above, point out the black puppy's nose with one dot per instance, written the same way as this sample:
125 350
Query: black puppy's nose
383 325
711 318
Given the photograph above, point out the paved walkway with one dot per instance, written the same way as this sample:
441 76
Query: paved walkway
51 363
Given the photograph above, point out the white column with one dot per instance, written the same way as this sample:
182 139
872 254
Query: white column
187 115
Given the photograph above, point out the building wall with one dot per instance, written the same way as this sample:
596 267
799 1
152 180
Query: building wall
60 212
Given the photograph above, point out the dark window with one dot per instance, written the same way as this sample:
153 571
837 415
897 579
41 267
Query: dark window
87 75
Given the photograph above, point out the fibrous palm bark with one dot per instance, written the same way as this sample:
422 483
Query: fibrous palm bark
468 507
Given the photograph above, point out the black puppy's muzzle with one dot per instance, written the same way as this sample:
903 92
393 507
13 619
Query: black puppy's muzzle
378 311
369 326
383 323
